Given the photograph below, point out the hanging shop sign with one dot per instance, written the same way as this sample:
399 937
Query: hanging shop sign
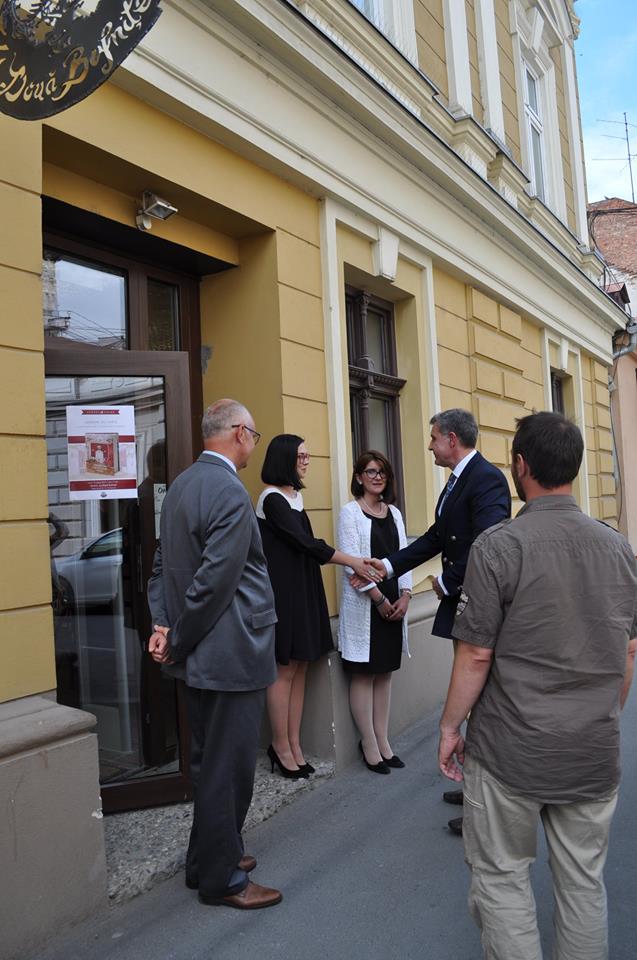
102 453
54 53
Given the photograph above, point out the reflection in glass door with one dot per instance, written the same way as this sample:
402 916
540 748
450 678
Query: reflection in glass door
101 551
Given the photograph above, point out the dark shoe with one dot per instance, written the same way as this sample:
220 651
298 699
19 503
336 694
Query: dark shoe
380 767
284 771
247 863
252 897
455 826
454 796
306 769
394 761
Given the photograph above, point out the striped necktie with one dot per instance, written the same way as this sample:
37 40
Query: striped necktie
450 484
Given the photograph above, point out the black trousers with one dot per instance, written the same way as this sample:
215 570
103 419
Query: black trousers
225 730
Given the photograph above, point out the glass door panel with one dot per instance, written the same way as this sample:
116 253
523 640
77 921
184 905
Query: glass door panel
101 558
98 582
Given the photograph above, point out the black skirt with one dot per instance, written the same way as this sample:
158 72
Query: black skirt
386 636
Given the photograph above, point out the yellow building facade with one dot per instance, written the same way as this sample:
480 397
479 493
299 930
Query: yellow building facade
420 158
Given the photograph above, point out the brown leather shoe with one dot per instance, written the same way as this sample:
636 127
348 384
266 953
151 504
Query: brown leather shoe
252 897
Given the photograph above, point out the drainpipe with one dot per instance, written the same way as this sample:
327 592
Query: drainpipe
631 330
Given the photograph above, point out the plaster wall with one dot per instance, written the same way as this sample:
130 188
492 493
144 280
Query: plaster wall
624 407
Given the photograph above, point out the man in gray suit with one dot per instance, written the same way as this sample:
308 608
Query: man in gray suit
211 599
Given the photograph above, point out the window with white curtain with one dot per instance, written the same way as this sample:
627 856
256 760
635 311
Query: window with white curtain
395 19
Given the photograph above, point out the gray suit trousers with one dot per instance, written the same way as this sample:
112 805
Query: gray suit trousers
224 731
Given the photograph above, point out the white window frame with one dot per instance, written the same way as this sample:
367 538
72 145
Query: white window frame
395 19
533 35
534 122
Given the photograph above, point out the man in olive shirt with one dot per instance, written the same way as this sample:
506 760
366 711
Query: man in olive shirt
546 625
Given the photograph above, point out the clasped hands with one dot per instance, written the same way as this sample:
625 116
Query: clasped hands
375 571
158 646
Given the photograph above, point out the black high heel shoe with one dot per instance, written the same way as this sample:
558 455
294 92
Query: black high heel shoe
307 769
380 767
284 771
394 761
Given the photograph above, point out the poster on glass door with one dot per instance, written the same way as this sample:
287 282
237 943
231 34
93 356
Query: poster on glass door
102 454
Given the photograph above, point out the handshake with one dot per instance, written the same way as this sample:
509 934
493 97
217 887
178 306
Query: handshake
366 570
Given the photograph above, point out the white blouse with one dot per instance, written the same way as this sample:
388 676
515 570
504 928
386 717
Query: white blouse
354 537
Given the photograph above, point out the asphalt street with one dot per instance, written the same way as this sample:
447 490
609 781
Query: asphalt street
368 872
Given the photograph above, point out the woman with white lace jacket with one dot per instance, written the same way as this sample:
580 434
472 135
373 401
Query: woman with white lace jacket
373 620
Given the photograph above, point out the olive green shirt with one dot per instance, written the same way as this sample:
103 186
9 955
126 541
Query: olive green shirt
554 594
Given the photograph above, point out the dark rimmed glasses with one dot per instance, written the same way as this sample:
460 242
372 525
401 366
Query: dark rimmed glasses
303 457
256 436
372 474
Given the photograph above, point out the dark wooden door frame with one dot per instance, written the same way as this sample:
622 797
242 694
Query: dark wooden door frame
137 270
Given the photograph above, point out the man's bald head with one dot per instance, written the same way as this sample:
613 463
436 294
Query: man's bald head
220 415
227 427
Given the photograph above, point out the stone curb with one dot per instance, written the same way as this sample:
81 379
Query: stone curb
144 847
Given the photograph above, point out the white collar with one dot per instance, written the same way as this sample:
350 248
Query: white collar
213 453
295 502
459 467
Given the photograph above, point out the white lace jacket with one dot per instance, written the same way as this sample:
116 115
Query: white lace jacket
354 537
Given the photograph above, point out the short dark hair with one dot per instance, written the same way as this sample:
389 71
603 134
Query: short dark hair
363 460
280 464
458 421
551 445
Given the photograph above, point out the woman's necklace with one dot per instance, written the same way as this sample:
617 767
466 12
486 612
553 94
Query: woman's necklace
371 509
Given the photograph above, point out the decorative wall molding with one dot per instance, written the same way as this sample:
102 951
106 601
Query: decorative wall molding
507 178
457 50
489 64
235 75
351 49
473 144
385 254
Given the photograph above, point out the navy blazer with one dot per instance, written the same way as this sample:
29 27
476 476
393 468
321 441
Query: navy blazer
479 499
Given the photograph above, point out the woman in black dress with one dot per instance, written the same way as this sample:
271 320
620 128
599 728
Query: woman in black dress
294 557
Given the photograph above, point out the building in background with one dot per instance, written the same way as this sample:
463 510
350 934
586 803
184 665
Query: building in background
613 230
380 213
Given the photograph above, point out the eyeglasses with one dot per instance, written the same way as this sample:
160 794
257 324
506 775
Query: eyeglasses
372 474
255 433
303 457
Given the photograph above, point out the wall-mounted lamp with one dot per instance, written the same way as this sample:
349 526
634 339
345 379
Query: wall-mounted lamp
153 207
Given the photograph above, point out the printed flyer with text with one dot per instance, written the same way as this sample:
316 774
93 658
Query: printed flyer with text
102 453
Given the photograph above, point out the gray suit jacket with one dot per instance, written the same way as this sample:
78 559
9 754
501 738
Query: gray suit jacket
210 582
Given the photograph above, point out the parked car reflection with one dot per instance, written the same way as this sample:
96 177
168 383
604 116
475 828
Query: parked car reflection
92 575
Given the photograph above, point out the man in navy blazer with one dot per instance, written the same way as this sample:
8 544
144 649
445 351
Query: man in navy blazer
475 498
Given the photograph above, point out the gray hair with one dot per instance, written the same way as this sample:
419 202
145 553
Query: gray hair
458 421
220 416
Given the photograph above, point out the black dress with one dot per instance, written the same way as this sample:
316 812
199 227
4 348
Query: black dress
294 556
386 636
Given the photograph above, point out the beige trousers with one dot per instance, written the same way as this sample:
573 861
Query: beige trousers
500 837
